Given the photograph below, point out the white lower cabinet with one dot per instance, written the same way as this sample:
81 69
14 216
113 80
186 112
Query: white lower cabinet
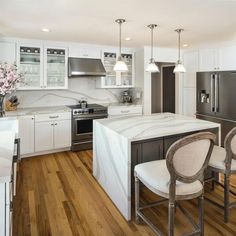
43 136
44 132
62 134
6 211
26 133
52 131
115 111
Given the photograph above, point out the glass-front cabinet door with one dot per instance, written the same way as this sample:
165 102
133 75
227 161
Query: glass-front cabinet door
117 79
55 68
109 60
30 65
127 77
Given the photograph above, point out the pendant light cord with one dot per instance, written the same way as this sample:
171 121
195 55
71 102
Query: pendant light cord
120 37
151 43
179 43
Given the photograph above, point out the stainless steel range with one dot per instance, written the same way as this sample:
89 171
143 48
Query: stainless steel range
82 124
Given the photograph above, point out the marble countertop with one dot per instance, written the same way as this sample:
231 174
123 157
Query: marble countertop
143 127
8 133
37 110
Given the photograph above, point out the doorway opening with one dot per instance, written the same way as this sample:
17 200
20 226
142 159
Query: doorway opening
163 89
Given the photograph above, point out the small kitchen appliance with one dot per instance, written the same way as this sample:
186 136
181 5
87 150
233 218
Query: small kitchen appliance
126 97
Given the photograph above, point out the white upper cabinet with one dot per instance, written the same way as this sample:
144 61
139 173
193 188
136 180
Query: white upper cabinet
43 67
84 52
30 63
7 52
55 68
217 59
227 58
208 60
117 79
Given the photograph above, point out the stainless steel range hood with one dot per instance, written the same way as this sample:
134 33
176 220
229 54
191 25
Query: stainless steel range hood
85 67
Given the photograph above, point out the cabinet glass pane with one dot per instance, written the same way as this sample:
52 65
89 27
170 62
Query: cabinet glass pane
109 62
56 67
126 77
30 66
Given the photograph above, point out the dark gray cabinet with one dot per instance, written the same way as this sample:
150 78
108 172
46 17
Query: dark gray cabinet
145 151
155 149
168 141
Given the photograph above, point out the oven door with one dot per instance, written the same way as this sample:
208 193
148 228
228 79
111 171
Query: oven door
83 127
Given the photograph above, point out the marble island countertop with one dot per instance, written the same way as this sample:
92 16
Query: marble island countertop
37 110
136 128
8 133
113 152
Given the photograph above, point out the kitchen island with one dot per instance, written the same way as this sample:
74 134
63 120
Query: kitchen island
121 143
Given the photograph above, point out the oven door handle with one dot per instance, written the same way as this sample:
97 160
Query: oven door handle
90 118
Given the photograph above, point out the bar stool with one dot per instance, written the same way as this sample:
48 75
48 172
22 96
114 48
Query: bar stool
179 177
223 160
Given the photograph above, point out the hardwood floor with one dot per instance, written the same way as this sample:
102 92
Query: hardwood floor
57 195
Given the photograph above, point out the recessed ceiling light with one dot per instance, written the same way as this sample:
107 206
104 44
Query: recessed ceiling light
45 30
127 38
185 45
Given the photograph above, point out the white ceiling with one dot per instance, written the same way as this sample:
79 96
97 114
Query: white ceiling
92 21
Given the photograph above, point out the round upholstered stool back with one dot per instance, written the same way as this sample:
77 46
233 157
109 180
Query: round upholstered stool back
188 157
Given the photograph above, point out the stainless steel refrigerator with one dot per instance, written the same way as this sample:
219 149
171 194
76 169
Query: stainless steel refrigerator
216 99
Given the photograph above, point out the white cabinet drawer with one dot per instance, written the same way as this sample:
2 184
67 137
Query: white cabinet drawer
123 110
53 116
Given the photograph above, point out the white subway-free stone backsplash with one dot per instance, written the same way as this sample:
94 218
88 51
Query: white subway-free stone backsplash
78 88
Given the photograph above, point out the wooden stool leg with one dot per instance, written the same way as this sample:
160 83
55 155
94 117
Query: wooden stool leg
226 198
201 214
171 217
137 218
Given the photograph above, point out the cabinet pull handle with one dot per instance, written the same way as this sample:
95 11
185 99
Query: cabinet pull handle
127 111
53 117
55 124
52 124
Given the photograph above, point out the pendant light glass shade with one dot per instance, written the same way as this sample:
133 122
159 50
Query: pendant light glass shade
179 67
152 67
120 64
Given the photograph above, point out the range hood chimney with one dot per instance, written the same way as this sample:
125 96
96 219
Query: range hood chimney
85 67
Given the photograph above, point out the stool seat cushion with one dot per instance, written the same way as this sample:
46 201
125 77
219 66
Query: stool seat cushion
217 159
155 176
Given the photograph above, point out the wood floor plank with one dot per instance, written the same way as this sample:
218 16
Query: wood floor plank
58 195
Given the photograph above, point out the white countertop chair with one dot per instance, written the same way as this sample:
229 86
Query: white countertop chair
179 177
223 160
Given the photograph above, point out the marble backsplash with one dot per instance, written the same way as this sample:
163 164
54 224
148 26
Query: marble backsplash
78 88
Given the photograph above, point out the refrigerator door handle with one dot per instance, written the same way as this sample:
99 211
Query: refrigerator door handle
216 93
212 93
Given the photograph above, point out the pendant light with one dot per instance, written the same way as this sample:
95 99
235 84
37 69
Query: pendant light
152 67
120 64
179 67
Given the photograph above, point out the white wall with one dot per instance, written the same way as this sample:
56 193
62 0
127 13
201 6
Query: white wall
191 63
